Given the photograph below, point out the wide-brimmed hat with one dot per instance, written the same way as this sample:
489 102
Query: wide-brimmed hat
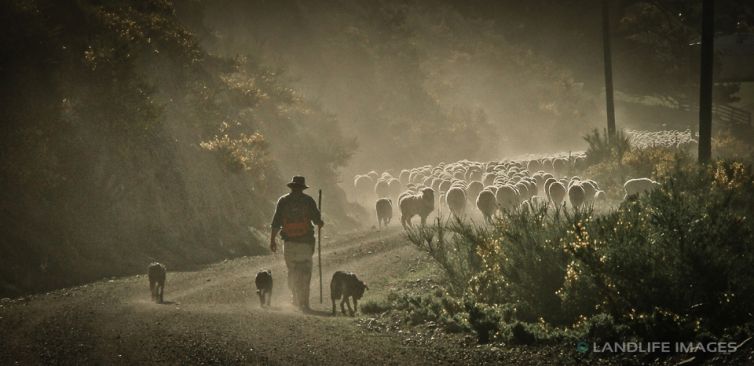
297 182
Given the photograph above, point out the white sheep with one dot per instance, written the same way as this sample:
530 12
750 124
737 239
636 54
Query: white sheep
600 196
507 197
589 191
473 189
363 186
416 204
394 187
403 177
523 190
557 192
381 189
486 204
455 199
634 187
576 195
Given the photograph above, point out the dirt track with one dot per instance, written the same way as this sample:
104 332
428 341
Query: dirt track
212 316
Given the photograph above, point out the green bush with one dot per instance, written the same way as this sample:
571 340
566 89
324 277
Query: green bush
602 148
672 264
453 245
375 306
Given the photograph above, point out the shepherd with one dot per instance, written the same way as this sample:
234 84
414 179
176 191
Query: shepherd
294 215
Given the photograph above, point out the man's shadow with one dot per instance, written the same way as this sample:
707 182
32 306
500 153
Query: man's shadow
314 312
323 313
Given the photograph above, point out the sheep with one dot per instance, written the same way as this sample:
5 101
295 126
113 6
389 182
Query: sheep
486 204
363 186
403 177
539 181
600 196
579 163
589 191
475 174
381 189
455 199
506 197
436 184
418 204
523 191
444 186
473 189
534 165
634 187
557 192
532 185
546 187
576 195
560 166
492 189
156 272
394 187
537 201
384 207
488 179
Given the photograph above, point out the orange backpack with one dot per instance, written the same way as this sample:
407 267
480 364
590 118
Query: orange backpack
296 223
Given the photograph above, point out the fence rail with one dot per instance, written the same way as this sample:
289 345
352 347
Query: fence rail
724 113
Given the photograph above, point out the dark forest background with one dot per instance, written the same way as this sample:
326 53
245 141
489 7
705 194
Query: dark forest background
154 130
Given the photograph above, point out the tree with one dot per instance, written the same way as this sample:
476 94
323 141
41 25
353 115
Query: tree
705 82
610 108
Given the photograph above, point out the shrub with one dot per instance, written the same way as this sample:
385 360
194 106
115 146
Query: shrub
602 147
453 245
375 306
671 264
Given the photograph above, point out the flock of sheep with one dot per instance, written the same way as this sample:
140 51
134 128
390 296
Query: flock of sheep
489 187
641 139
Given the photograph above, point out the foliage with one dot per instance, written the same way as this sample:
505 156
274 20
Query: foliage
734 144
603 147
374 306
124 142
453 246
642 270
428 76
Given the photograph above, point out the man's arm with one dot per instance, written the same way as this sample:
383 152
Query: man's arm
273 243
277 223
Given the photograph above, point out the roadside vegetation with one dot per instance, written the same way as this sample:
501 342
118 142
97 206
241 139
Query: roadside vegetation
672 265
125 142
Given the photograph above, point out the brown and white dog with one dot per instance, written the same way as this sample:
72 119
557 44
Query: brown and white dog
156 273
345 285
264 287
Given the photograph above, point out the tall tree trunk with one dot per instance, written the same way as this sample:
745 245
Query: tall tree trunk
610 107
705 82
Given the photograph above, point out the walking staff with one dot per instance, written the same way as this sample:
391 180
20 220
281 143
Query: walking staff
319 247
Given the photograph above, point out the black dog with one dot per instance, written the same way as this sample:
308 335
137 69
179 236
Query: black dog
346 284
264 286
156 273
